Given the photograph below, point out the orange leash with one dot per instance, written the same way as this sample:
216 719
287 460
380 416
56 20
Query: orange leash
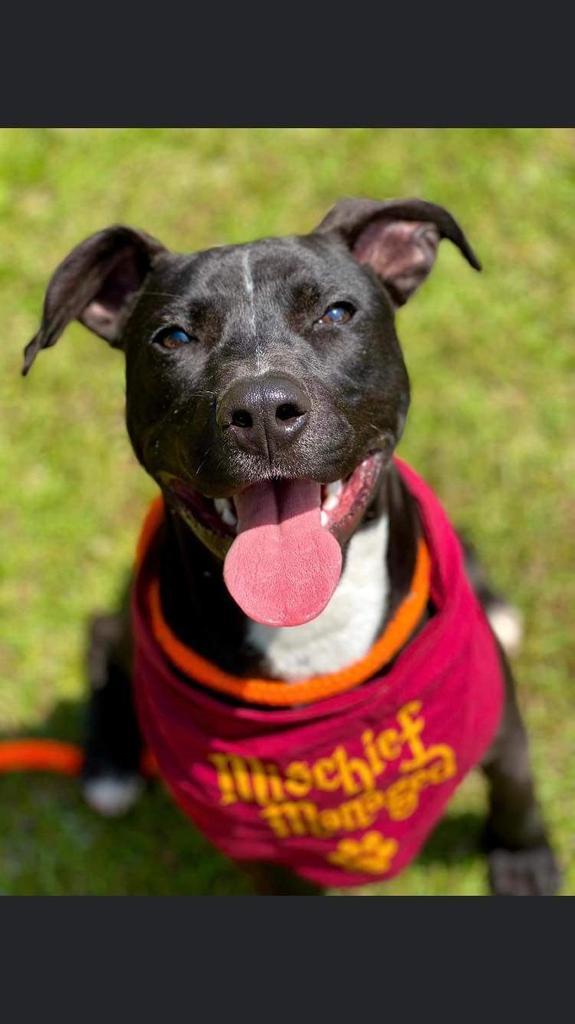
52 756
40 756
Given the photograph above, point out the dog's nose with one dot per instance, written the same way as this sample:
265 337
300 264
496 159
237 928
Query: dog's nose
264 414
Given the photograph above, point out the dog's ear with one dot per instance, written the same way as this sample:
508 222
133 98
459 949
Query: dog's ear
95 284
398 239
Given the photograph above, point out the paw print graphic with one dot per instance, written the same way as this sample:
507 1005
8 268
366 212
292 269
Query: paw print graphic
372 853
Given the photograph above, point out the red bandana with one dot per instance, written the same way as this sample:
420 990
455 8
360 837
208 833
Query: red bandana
343 789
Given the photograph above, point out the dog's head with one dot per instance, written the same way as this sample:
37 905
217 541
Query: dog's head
265 386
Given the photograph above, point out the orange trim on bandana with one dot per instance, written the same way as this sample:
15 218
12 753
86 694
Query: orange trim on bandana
270 691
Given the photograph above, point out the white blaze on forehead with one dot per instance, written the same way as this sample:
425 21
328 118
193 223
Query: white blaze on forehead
249 287
251 318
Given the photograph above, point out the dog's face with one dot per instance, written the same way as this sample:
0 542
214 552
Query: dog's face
265 385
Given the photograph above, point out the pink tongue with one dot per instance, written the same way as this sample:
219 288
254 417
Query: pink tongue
283 566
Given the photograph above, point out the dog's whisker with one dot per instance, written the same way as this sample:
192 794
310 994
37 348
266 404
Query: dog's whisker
165 295
203 460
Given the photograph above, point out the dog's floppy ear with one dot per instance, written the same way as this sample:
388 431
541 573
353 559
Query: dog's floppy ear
398 239
95 285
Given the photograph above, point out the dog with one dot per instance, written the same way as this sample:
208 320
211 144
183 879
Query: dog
306 649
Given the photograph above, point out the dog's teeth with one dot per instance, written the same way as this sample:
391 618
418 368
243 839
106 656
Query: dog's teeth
225 510
323 518
333 494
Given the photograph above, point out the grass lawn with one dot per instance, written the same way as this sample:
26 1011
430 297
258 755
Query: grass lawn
491 358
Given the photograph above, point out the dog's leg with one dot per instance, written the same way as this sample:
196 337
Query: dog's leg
505 620
274 880
111 778
521 861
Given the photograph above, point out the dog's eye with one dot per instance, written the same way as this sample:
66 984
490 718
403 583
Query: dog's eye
337 314
172 337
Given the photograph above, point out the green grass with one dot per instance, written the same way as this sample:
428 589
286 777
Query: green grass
491 358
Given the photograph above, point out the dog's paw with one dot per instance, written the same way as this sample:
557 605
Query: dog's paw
532 872
112 795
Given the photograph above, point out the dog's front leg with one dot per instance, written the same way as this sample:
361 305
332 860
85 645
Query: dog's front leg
521 861
111 776
275 880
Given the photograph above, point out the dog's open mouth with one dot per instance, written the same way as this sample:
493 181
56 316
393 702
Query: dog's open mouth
282 539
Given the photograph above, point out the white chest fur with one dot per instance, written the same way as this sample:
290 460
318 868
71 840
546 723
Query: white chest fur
347 628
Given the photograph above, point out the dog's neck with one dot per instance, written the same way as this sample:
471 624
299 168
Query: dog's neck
377 573
347 628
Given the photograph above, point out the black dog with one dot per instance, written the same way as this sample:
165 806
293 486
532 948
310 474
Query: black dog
273 370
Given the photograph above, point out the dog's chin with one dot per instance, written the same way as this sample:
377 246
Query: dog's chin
215 522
